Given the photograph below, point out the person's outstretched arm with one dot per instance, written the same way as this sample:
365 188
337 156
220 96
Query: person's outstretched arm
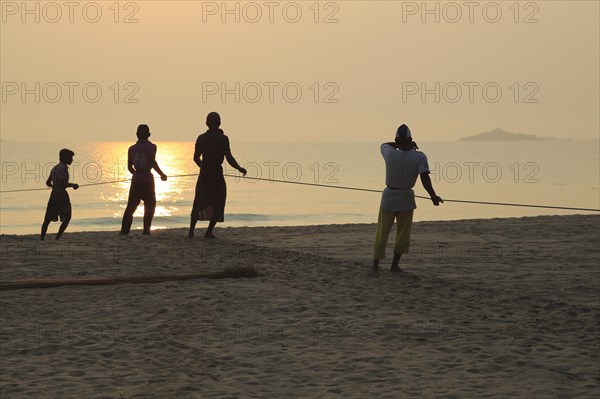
426 181
231 160
163 177
155 166
197 154
130 167
75 186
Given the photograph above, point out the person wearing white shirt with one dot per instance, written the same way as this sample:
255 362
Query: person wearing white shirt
404 164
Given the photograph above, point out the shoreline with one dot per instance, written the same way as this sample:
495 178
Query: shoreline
136 228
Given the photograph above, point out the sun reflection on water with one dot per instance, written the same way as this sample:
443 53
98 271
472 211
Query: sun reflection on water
173 159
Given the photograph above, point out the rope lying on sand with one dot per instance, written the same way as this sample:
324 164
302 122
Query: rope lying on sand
338 187
227 273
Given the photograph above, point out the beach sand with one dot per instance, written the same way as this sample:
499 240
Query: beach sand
487 308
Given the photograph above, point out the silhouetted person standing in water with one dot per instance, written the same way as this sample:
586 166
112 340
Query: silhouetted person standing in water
403 164
141 159
211 191
59 204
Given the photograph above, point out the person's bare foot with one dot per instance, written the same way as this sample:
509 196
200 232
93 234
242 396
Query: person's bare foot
374 272
375 269
395 262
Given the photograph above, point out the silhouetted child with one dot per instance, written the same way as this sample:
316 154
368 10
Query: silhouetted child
141 159
59 204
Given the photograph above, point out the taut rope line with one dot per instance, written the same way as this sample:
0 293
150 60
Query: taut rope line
338 187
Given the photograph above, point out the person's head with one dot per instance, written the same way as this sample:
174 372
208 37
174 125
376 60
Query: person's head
403 136
213 120
66 156
143 132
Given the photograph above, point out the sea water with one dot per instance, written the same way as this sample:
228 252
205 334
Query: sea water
555 173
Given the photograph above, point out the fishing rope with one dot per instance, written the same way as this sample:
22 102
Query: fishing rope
331 186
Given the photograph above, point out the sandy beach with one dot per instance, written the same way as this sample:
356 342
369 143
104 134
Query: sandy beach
490 308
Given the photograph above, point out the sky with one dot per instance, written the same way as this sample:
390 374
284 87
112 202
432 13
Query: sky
298 71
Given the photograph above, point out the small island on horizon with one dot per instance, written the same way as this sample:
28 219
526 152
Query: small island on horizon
501 135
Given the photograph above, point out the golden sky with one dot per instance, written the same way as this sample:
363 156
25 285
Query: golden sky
298 71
